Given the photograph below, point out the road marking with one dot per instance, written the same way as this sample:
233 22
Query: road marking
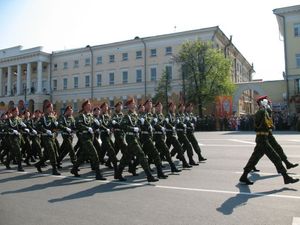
295 140
241 141
200 144
269 174
173 187
296 221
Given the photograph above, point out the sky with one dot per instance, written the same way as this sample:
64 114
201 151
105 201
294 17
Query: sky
66 24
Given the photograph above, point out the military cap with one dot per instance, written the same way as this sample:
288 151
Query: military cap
157 103
261 98
180 105
103 104
189 104
13 109
48 104
139 106
148 100
118 103
38 111
85 103
96 108
170 104
68 108
129 101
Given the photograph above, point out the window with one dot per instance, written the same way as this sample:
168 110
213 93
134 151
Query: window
112 58
99 80
125 56
297 30
153 52
99 60
65 65
125 77
297 85
44 85
55 67
88 61
153 74
75 106
111 103
298 60
168 50
76 63
138 54
138 75
54 85
75 82
169 72
65 83
87 80
111 78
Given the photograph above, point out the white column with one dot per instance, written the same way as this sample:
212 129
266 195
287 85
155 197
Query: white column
1 74
9 81
19 78
49 78
28 78
39 76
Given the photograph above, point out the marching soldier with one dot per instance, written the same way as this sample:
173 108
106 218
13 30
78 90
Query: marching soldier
130 126
84 123
97 120
26 136
147 138
170 123
263 123
14 126
190 121
160 136
35 136
47 126
66 124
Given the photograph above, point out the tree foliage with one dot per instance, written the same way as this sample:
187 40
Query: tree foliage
162 89
206 70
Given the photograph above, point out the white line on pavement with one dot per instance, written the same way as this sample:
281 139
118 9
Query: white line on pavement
269 174
296 221
241 141
177 188
295 140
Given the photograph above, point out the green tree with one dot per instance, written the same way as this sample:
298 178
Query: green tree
206 72
162 89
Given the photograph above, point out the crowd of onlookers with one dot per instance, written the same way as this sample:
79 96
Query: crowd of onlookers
282 121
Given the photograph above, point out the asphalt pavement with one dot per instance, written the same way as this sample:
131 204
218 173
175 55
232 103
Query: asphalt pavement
206 194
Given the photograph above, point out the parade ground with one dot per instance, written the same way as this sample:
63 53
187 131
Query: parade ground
206 194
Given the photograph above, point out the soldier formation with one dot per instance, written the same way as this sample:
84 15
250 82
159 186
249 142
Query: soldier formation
144 137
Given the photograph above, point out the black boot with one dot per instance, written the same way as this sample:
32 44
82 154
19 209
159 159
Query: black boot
99 175
118 175
150 178
54 170
27 161
255 169
20 167
173 168
38 166
201 158
74 171
193 163
7 164
290 165
132 169
244 179
289 180
160 173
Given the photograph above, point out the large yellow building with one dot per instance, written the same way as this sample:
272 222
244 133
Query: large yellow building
109 72
289 26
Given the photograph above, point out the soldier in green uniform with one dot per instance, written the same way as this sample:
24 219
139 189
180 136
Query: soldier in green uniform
47 126
170 123
26 137
4 147
190 121
160 135
263 123
14 126
66 124
35 136
96 143
84 123
131 129
147 142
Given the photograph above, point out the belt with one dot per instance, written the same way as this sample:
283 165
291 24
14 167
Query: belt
180 129
262 133
158 132
144 132
117 129
131 133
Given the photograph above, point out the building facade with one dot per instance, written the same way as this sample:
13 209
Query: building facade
288 19
110 72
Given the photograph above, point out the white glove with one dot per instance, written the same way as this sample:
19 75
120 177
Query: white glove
195 118
142 121
187 119
34 132
163 129
108 131
96 122
23 124
155 120
113 122
136 129
184 125
192 124
27 130
16 132
68 130
151 128
49 132
90 130
174 128
56 123
177 121
167 120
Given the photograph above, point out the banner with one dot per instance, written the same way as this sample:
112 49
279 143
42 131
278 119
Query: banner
223 106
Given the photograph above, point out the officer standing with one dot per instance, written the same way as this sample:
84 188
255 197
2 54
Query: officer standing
130 127
47 126
84 123
263 123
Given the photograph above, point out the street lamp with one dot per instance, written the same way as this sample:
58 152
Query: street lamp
92 71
